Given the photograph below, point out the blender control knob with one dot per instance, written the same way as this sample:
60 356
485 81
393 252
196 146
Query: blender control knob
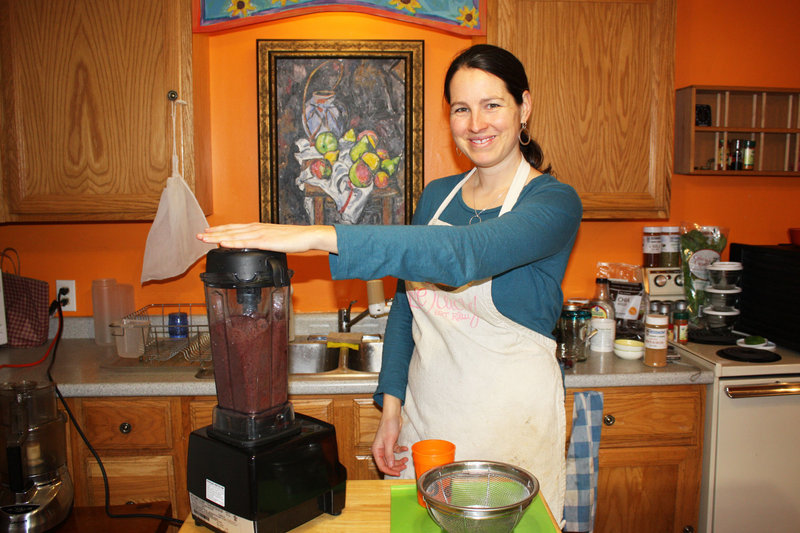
125 428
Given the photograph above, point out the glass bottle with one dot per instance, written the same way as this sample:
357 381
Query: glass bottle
601 305
651 246
670 247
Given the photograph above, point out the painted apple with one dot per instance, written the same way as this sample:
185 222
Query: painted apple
360 174
321 168
381 180
371 135
326 142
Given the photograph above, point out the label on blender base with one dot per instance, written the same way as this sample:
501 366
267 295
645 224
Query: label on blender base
219 518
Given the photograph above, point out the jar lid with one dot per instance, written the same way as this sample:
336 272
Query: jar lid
734 290
724 265
657 320
671 229
711 311
651 229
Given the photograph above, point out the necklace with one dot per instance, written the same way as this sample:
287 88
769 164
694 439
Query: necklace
477 214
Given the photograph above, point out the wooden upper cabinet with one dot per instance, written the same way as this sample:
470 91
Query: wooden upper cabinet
86 121
601 76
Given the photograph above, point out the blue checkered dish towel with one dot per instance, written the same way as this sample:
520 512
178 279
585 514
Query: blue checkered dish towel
580 502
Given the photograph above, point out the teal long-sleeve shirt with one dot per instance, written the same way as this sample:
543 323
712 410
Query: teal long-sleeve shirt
525 251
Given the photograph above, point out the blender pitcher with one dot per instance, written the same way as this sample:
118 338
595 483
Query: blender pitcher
247 295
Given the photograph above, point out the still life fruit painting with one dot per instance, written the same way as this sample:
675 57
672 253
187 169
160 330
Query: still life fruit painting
338 138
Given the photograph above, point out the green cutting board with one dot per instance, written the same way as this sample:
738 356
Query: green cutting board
409 517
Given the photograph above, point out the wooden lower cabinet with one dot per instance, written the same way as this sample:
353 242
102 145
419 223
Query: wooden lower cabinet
650 458
650 450
140 442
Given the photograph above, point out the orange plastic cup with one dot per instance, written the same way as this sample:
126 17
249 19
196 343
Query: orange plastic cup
431 453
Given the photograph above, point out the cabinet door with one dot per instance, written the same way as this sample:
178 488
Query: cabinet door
132 479
651 489
601 77
87 128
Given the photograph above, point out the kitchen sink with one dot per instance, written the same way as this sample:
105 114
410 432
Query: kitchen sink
309 354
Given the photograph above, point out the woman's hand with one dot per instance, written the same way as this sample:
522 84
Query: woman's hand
385 444
275 237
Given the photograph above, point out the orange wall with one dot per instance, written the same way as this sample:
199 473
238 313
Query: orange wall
724 42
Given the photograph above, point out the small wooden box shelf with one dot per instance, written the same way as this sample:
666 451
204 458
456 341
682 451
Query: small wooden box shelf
767 115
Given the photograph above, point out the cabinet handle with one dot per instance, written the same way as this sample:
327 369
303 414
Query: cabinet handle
609 420
688 529
125 428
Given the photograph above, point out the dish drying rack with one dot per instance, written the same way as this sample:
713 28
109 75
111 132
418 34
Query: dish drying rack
160 339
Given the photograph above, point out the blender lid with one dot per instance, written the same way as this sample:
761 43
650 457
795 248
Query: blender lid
248 267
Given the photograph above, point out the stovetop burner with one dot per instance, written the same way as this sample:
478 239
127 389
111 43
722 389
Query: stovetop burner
749 355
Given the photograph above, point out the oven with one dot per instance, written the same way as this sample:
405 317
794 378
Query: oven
751 467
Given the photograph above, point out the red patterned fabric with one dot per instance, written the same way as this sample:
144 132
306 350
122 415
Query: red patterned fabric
26 310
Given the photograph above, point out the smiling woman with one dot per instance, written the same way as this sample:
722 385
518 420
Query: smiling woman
494 274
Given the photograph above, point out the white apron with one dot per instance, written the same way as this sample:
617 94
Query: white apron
482 381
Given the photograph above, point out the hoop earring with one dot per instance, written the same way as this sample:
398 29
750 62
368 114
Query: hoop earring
523 128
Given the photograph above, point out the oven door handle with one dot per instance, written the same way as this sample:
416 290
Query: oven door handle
759 391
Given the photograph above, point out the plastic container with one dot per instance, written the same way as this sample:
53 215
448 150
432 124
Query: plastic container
131 336
110 302
603 339
720 320
722 299
655 340
724 274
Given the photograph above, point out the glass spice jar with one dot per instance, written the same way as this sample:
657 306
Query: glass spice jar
748 155
736 147
651 246
670 247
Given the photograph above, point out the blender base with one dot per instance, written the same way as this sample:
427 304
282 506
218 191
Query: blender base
265 489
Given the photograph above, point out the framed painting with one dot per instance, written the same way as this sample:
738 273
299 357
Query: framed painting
340 131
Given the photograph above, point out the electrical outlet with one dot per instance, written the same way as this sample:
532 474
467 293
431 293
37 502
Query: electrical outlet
71 297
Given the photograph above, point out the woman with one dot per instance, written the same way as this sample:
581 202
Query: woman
468 352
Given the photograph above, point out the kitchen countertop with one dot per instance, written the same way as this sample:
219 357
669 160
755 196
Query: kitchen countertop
367 509
83 369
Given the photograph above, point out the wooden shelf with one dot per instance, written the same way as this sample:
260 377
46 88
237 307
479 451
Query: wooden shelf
768 116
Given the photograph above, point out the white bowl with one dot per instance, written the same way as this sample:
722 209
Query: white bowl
629 349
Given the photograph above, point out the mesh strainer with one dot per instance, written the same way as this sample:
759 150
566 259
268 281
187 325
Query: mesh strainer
477 496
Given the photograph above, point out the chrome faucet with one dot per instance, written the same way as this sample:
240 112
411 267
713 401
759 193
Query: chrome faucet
378 306
344 317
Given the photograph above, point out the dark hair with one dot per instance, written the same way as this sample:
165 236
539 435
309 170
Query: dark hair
505 65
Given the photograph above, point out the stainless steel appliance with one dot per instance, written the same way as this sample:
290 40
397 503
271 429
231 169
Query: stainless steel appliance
36 491
752 427
259 467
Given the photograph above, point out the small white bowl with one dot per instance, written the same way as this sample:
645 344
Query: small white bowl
769 345
629 349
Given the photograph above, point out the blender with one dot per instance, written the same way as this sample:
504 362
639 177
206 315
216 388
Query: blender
36 491
259 467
